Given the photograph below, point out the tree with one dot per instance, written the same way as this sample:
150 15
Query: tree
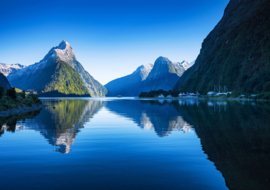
2 92
11 93
22 94
266 87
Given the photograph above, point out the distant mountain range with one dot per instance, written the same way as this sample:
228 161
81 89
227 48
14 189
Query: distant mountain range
8 68
129 85
60 74
57 74
236 53
162 75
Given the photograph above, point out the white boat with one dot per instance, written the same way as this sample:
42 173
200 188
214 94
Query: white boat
189 95
161 96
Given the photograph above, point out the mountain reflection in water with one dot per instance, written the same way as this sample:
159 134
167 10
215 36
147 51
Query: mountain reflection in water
157 115
234 135
59 122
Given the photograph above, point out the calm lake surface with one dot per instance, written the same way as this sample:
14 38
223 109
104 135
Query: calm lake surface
103 143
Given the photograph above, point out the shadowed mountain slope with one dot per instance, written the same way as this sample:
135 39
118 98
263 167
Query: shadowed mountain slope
236 53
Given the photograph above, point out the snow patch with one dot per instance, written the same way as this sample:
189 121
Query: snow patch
6 69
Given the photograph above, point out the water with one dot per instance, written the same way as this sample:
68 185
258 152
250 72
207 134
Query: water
104 143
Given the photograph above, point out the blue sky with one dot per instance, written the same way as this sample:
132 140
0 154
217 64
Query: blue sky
111 38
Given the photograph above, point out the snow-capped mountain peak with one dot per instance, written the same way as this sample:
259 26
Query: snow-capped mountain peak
64 51
144 68
162 60
185 64
8 68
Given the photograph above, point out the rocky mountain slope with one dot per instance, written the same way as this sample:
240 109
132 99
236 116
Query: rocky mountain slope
4 82
43 72
186 64
8 68
129 85
58 79
163 76
236 53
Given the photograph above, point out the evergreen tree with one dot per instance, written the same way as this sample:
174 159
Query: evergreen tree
11 93
2 92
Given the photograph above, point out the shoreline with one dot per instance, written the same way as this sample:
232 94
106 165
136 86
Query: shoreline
20 110
203 98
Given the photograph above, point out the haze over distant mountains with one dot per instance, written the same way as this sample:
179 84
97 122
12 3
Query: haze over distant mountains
162 75
57 74
129 85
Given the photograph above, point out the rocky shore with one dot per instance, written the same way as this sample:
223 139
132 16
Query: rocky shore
20 110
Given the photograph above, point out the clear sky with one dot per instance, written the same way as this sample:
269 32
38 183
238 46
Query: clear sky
111 38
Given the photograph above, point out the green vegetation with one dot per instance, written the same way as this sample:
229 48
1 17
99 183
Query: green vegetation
11 93
12 100
2 92
58 79
236 53
65 80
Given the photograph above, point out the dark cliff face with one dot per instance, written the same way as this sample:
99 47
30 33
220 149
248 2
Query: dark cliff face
4 82
236 53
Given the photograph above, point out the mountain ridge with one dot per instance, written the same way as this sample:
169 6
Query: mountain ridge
25 77
236 52
8 68
129 85
164 76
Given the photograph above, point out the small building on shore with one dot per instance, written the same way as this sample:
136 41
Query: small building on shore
161 96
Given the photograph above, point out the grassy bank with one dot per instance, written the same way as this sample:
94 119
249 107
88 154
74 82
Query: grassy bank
10 99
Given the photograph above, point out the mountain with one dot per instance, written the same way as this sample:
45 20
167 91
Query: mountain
8 68
4 82
236 53
38 76
163 76
129 85
59 79
187 64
